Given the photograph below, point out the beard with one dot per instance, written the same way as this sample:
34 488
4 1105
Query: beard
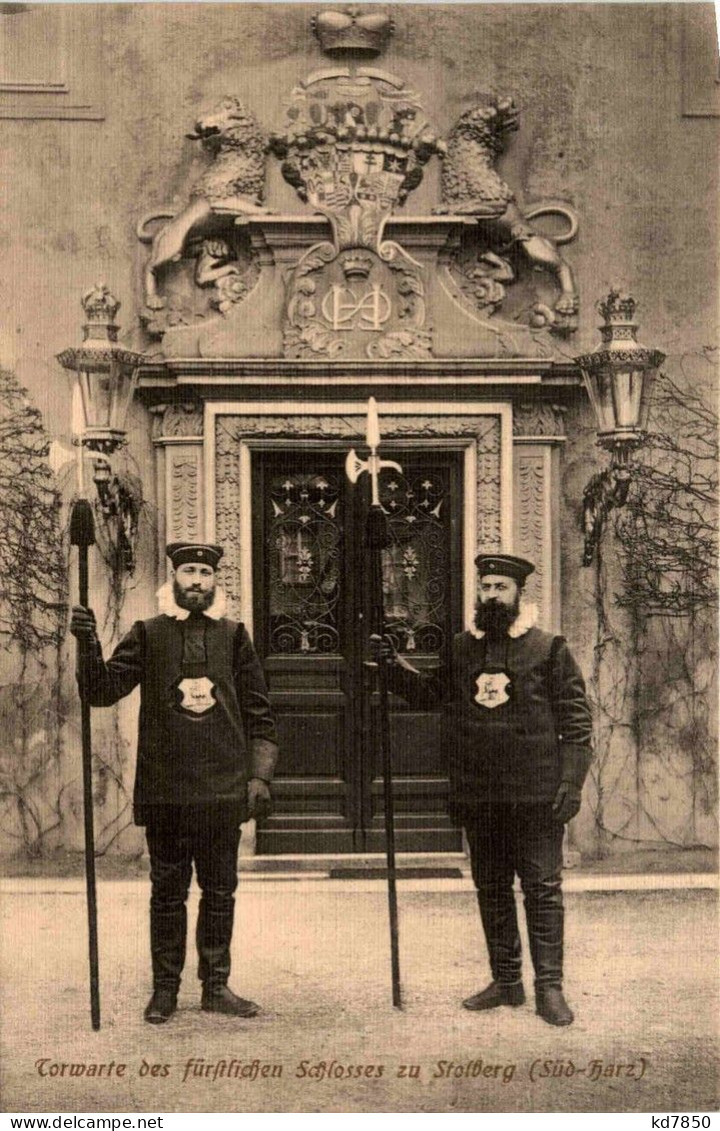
494 618
192 599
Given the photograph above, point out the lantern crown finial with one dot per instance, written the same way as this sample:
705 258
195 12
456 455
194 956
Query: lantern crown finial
617 307
100 304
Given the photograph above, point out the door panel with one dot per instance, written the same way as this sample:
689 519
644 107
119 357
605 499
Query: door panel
311 615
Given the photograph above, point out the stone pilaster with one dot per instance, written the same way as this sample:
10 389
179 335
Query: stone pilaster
178 441
538 433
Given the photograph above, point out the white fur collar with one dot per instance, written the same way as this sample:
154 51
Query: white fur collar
168 606
524 621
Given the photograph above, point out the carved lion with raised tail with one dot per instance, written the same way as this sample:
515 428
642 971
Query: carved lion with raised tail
233 183
471 185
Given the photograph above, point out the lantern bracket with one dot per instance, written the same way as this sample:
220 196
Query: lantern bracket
605 491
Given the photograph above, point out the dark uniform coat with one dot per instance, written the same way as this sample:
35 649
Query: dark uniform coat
517 717
205 724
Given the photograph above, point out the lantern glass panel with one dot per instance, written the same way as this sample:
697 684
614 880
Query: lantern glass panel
628 388
96 396
600 392
125 387
106 396
648 383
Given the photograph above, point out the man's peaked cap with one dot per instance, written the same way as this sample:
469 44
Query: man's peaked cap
180 553
504 565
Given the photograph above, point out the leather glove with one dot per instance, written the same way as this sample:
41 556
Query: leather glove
259 799
567 802
382 649
82 624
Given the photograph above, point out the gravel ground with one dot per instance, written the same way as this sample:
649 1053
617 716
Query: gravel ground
641 975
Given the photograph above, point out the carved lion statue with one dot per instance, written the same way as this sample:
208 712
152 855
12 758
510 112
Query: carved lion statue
232 183
471 185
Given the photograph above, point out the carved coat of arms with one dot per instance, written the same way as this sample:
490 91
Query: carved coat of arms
354 145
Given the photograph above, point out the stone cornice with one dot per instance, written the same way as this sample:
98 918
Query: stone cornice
211 376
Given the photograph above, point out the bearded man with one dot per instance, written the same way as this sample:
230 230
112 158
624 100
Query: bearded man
207 748
519 733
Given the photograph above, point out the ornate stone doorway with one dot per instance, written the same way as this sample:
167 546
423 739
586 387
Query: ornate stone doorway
310 612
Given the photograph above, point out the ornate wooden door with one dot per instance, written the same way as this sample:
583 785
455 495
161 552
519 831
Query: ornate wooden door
311 618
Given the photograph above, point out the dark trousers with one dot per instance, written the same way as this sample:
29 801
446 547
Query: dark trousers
177 837
526 840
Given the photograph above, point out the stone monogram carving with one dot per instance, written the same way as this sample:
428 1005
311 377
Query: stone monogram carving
356 302
233 183
472 185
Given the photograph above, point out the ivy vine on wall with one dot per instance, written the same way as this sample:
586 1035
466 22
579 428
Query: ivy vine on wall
32 618
654 675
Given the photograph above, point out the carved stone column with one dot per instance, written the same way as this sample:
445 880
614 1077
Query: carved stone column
538 433
178 441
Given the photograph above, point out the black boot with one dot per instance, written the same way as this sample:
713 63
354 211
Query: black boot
552 1007
494 995
499 920
214 935
546 924
168 939
221 999
161 1006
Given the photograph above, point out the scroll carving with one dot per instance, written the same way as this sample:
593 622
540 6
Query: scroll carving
530 532
539 419
184 518
185 419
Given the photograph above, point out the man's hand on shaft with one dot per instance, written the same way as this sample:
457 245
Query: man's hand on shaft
382 649
82 623
567 802
259 799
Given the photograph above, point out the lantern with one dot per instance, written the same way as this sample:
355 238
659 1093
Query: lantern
618 376
106 373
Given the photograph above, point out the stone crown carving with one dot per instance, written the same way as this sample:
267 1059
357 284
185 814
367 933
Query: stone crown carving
352 30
